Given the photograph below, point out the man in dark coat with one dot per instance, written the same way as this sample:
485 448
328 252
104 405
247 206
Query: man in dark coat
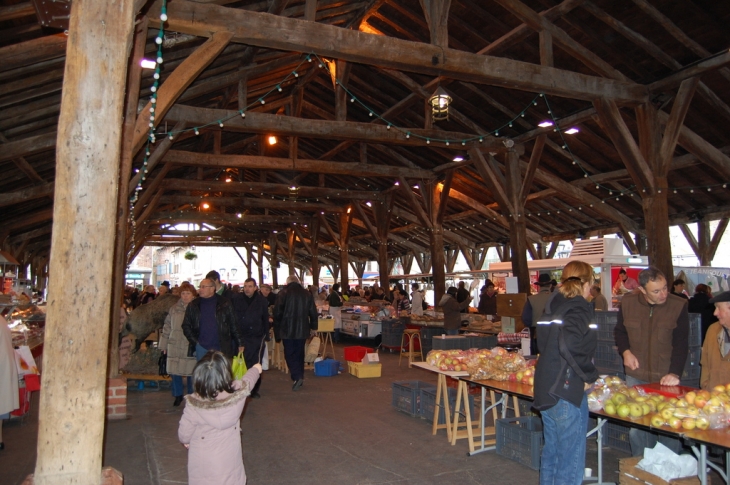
252 313
295 317
462 294
210 323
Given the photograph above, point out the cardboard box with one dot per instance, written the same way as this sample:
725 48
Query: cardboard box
629 474
371 359
326 324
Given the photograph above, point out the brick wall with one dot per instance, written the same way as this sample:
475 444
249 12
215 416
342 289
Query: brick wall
116 398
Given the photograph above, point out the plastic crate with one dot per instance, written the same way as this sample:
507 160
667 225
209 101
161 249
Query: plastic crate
326 368
407 396
695 330
364 371
606 357
482 342
428 402
525 407
694 355
617 437
455 342
520 439
693 383
356 353
691 373
392 326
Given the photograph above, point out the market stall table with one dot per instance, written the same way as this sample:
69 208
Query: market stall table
442 399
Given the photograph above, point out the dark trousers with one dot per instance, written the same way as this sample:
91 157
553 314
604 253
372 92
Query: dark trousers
253 353
294 355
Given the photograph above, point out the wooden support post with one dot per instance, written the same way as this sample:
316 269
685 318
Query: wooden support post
345 223
72 405
382 211
314 247
249 265
290 239
274 261
260 262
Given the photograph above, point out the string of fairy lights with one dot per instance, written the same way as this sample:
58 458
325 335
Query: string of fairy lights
153 135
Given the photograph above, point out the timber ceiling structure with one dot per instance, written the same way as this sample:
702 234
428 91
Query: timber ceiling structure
359 162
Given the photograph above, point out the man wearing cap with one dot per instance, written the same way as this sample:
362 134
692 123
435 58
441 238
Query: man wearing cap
716 349
536 303
266 292
652 333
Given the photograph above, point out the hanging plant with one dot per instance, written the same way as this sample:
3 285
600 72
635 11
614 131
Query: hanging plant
189 255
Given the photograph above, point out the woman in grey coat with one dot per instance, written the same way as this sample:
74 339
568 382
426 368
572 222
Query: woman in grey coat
175 345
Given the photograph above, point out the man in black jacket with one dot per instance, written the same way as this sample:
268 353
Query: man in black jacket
210 324
252 312
295 317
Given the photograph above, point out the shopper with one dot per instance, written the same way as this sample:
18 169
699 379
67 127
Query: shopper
210 323
417 299
678 288
295 318
652 332
268 294
563 374
700 303
210 426
220 288
9 398
452 311
336 302
487 299
400 302
715 361
149 294
600 304
252 313
535 305
462 294
175 345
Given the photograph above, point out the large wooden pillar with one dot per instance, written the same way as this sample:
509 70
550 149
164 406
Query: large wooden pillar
274 261
382 210
705 244
290 240
260 262
72 404
314 247
345 222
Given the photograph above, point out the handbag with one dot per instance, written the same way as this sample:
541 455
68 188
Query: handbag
238 366
162 365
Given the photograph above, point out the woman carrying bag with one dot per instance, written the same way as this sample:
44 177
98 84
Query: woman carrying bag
175 345
567 342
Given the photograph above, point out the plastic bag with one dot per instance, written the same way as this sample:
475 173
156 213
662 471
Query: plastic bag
238 366
265 360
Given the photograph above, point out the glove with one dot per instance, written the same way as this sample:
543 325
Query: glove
259 368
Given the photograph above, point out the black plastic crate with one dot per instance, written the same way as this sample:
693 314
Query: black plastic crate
695 330
450 343
690 383
606 322
607 358
407 396
482 342
694 355
521 440
428 402
617 437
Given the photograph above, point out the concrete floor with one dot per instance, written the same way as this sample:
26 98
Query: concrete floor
335 430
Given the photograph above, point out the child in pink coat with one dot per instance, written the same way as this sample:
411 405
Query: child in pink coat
210 425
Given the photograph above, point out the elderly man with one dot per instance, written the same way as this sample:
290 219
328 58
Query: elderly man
252 312
210 323
716 349
268 294
600 304
295 317
535 305
651 334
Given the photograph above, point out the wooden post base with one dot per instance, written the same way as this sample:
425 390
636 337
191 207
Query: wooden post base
109 476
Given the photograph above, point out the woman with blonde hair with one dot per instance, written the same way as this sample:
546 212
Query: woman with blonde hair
564 372
174 343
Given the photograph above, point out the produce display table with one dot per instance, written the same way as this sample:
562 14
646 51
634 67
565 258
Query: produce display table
442 401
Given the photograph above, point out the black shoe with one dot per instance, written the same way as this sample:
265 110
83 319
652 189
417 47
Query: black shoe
256 395
178 400
297 385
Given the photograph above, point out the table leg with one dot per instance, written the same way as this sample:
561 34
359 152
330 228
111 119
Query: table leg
462 394
599 440
483 424
442 402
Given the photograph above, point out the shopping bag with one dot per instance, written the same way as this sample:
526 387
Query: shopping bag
238 366
24 361
265 360
162 365
312 350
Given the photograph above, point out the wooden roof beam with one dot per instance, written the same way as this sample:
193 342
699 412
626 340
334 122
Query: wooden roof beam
266 31
298 165
267 188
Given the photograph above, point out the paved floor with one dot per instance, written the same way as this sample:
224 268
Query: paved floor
335 430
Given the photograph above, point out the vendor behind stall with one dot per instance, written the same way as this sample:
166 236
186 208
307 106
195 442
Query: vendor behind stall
716 349
452 310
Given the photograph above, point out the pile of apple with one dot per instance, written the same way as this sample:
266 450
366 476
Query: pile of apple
699 409
496 363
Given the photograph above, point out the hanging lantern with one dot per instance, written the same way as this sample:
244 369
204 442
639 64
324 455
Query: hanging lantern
440 101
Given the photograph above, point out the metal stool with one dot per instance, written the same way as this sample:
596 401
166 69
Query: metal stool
408 336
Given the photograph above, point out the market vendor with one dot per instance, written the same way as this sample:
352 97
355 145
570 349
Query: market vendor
452 310
652 334
624 283
716 349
